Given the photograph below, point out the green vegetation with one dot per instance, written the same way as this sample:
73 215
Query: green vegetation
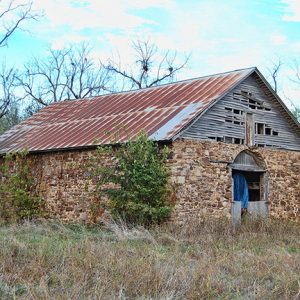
18 189
135 181
199 260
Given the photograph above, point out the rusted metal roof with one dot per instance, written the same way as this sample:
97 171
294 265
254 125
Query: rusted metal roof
160 111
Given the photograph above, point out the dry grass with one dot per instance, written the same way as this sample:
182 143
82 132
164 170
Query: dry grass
199 260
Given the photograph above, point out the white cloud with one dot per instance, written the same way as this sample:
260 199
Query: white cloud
292 10
95 14
65 20
278 39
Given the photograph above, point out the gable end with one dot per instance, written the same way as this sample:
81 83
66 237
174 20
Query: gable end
272 124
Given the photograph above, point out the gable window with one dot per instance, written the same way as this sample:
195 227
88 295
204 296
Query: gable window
268 131
264 129
259 128
234 116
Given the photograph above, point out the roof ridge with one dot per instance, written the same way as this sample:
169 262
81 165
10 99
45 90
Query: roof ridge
94 98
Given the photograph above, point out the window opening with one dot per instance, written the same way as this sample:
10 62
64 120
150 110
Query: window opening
238 141
246 93
259 128
211 137
228 139
268 131
238 112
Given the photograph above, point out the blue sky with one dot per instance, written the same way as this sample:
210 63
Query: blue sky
221 35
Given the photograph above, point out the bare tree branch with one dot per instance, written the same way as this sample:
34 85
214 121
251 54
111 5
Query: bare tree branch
12 16
7 86
65 74
274 72
149 68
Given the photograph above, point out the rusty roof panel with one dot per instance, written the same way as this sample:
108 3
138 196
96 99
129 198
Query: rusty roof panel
161 111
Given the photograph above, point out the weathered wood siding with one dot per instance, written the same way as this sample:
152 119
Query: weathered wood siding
227 119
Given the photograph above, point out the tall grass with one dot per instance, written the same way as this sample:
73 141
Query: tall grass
197 260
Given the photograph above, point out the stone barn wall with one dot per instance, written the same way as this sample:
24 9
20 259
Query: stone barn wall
203 180
65 183
200 173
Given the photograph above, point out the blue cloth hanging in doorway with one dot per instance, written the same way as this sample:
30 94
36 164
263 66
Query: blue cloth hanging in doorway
241 192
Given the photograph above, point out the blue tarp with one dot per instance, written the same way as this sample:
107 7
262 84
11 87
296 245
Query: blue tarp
241 192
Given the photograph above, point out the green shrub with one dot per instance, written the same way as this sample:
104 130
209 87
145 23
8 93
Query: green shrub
136 181
18 189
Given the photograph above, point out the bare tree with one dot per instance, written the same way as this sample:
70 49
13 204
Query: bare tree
12 117
7 87
65 74
274 72
149 68
296 68
12 15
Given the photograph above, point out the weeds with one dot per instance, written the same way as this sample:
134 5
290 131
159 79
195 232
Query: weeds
197 260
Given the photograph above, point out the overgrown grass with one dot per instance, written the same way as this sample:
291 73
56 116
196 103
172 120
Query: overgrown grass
199 260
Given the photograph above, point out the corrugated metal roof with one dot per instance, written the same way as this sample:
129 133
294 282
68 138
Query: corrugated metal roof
160 111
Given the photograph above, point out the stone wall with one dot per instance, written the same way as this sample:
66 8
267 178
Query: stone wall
203 180
200 173
66 185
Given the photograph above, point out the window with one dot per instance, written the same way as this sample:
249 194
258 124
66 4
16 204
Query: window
228 139
238 141
259 128
238 112
268 131
264 129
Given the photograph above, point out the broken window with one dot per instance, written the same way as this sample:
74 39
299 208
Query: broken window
212 137
234 116
238 141
238 112
264 129
246 93
228 139
268 131
259 128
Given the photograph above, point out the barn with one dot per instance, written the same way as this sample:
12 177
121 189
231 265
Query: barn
235 145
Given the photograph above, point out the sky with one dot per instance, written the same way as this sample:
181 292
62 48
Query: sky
220 35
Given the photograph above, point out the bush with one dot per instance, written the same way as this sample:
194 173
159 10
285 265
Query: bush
136 181
18 193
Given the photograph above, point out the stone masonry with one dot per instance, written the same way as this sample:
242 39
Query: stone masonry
203 180
199 173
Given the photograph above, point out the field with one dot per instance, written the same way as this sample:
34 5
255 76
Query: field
198 260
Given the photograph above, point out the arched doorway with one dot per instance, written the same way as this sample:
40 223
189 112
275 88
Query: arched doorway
249 186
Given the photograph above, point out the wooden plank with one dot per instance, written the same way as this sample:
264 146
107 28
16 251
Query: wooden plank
213 123
249 138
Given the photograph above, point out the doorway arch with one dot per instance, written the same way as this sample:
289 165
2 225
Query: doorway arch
249 171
